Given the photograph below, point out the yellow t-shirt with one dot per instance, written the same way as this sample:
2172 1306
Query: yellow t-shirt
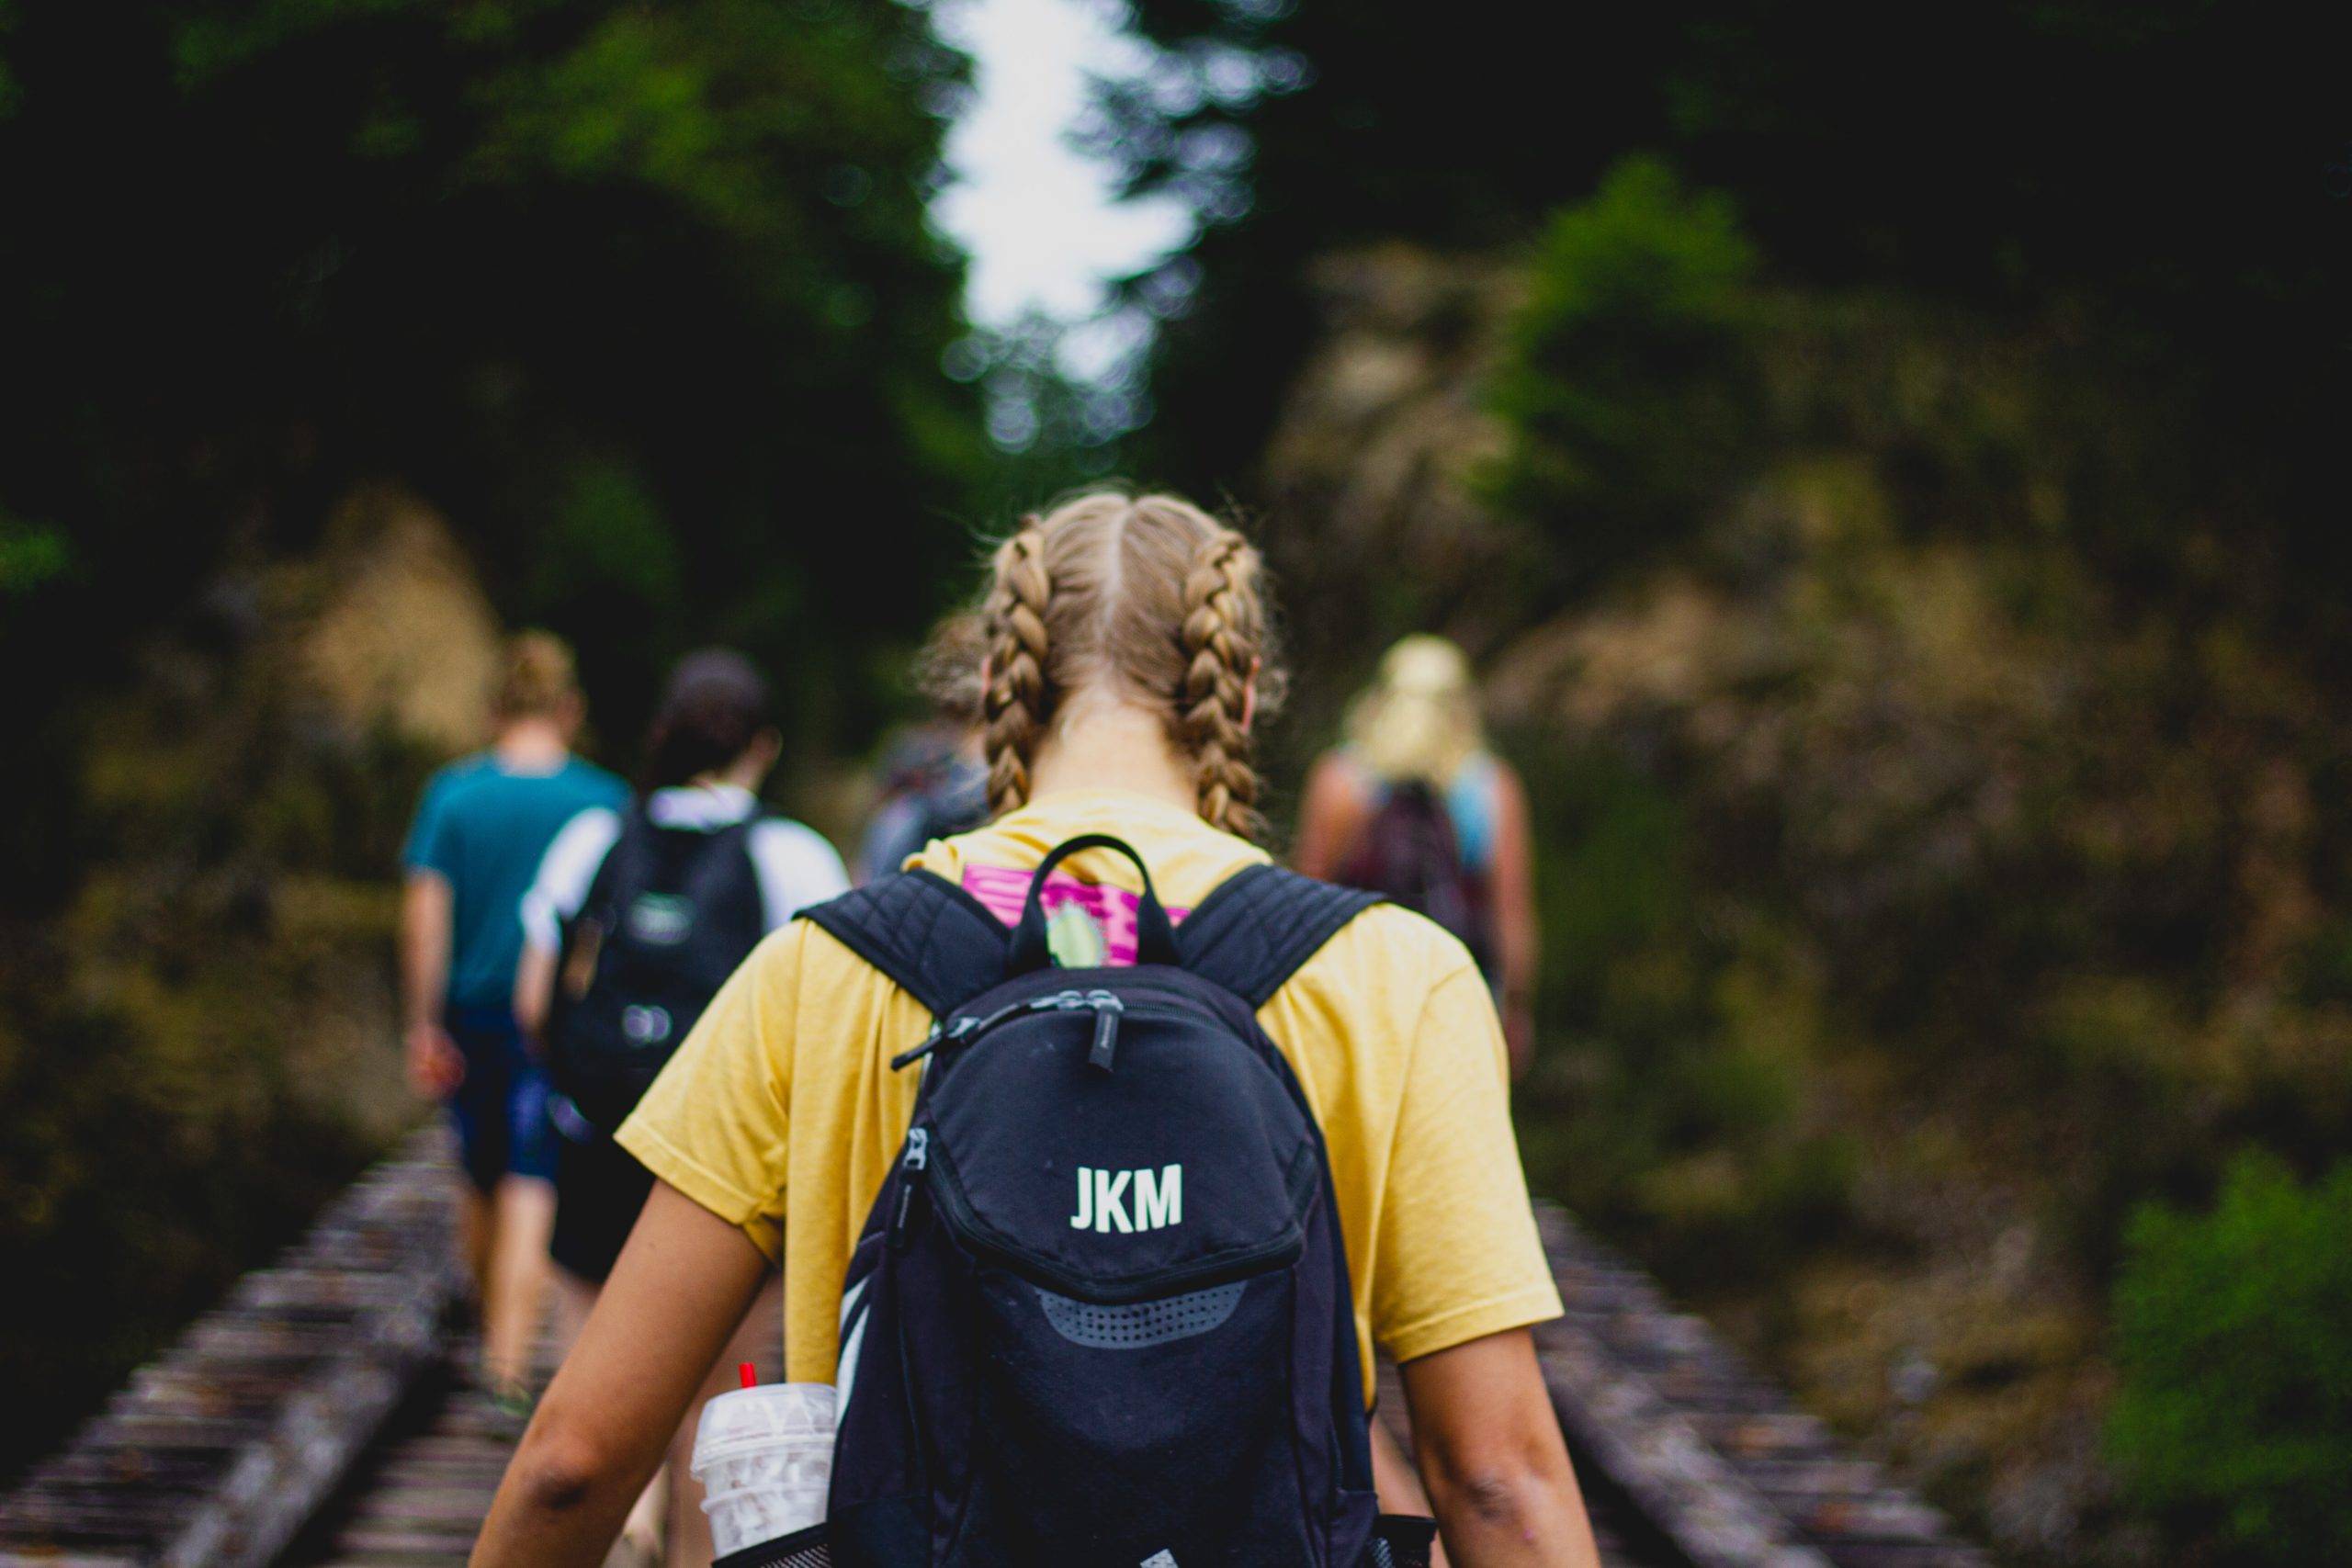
781 1114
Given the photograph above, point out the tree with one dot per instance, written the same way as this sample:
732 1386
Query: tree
2166 182
644 297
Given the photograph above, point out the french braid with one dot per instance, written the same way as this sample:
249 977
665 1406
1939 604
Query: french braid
1221 635
1017 706
1142 599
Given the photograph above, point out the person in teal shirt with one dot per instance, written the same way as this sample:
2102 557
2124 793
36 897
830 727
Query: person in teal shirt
481 829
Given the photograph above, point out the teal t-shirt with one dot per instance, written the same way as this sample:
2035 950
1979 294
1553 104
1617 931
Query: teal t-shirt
484 829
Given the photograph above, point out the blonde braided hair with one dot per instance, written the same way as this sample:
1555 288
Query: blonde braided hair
1014 705
1222 633
1146 597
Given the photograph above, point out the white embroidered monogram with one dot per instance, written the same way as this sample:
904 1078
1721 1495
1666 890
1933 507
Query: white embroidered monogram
1103 1199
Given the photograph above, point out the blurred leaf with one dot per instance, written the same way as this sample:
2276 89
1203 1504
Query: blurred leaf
1631 408
2233 1337
29 556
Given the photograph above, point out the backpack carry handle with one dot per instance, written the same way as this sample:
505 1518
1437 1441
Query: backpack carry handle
1155 932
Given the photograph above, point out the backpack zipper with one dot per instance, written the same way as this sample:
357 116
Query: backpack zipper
1107 1009
916 1160
939 1034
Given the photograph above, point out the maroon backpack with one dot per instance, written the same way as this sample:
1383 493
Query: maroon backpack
1408 855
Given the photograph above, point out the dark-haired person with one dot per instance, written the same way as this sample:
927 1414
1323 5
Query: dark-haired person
481 828
636 918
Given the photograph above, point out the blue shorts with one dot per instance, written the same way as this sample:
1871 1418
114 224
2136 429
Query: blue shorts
501 1110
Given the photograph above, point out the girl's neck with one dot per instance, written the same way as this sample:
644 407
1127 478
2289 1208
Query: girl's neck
1108 744
531 746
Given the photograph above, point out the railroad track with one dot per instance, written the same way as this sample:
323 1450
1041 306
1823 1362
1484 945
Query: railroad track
1700 1453
418 1494
219 1452
320 1418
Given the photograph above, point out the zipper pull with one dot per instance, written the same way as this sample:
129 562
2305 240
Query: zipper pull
941 1035
916 1161
1107 1009
906 1059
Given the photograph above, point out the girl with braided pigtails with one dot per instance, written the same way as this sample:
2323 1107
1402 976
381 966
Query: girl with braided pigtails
1127 658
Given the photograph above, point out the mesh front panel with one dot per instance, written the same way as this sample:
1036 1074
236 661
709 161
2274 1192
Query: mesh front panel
1144 1323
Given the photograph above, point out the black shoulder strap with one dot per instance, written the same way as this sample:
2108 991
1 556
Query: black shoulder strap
924 932
622 868
1254 932
724 880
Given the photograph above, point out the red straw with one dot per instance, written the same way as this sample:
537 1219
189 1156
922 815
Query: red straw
749 1373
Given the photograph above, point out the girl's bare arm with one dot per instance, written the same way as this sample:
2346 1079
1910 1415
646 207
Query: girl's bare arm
683 1283
1492 1456
1398 1484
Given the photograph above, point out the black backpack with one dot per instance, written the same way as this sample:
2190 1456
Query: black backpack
1409 853
670 914
1099 1311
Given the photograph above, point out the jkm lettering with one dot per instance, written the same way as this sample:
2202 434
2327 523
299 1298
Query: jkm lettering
1102 1199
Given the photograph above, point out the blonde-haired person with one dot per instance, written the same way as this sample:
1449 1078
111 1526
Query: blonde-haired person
1414 783
1126 659
481 828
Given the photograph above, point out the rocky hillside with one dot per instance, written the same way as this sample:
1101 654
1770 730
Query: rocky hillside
1927 883
198 1048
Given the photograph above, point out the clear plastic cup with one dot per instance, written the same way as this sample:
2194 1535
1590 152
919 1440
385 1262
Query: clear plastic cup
754 1518
764 1457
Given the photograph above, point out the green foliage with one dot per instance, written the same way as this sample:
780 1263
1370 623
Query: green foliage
1937 753
29 556
1673 1107
758 118
2233 1339
194 1047
1626 386
7 81
643 299
1948 840
504 253
133 1194
609 556
1374 125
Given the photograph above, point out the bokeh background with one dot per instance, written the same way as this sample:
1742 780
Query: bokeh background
1886 460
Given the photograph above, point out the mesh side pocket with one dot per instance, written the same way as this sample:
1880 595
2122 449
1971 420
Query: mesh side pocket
801 1549
1400 1540
1144 1323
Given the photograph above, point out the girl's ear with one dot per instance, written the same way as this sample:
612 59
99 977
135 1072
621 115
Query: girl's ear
1250 695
